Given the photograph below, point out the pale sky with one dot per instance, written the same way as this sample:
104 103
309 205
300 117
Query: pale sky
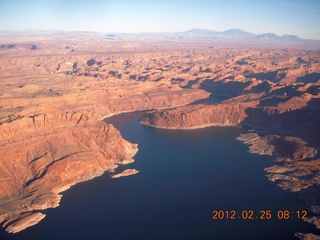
297 17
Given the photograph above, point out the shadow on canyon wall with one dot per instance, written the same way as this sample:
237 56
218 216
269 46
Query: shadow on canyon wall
300 121
230 89
272 76
309 78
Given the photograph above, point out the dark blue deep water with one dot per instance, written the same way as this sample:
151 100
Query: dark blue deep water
184 176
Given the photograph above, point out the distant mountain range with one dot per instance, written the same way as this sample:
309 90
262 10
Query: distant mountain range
239 34
231 36
198 32
193 36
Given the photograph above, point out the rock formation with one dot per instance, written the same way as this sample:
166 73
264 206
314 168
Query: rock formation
230 113
125 173
37 166
52 136
57 88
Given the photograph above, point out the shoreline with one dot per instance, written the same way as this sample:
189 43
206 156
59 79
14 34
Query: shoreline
189 128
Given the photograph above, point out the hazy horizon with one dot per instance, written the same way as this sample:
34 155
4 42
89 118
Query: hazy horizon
295 17
105 32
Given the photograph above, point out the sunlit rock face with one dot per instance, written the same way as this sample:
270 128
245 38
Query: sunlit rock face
57 88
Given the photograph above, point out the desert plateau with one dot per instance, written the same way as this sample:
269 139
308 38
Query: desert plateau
58 89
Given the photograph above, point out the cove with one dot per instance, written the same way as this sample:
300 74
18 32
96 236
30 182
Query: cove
184 176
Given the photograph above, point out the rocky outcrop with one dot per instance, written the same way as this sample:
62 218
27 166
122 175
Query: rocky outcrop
301 112
297 167
24 221
40 165
125 173
307 236
198 116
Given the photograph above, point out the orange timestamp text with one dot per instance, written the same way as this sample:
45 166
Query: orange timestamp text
261 215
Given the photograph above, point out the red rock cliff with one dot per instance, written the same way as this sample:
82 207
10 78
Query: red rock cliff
39 165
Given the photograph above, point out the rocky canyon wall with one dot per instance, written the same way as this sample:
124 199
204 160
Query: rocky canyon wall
54 96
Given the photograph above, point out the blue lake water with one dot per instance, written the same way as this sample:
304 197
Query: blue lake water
184 176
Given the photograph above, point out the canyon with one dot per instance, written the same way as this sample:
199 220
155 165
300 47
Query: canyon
57 88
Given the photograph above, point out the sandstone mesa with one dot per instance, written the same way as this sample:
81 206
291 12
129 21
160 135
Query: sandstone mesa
54 96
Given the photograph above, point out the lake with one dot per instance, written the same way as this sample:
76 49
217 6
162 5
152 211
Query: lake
184 176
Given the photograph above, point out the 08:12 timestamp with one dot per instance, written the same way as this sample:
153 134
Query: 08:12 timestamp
262 214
